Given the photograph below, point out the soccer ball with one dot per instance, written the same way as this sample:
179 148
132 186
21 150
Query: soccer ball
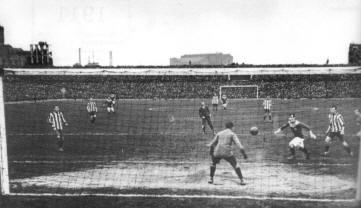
253 130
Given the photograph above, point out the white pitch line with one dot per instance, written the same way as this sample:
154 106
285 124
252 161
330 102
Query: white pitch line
95 134
266 163
109 134
98 161
185 196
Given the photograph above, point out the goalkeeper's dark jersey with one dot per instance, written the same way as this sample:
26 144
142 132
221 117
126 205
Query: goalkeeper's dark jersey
204 112
296 128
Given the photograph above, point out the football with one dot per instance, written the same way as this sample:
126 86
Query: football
254 130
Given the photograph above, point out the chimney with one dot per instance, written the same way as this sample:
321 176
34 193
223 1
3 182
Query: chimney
80 56
2 37
110 58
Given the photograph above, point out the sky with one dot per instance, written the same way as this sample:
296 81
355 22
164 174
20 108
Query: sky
149 32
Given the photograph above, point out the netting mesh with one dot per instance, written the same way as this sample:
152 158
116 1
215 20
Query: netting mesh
153 143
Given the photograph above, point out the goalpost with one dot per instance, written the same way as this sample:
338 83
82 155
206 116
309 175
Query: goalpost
147 144
239 91
4 173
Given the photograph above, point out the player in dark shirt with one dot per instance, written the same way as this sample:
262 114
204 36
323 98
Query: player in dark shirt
224 101
297 142
109 103
205 115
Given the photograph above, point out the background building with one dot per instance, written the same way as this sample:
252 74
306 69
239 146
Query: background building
38 56
9 56
202 59
354 54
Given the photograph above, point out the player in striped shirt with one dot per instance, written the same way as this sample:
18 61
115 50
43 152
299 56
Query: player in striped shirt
215 102
92 110
297 142
267 104
57 121
336 128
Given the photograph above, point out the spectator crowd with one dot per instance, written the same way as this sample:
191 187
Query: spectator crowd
172 87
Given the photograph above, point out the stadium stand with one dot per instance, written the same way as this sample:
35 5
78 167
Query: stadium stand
171 87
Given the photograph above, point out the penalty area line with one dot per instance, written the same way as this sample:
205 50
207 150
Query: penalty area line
183 196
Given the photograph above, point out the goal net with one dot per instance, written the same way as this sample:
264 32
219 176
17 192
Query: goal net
239 91
153 143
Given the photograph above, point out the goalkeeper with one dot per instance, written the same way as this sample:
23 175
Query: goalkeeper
221 148
297 142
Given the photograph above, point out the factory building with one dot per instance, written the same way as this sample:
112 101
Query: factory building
38 56
9 56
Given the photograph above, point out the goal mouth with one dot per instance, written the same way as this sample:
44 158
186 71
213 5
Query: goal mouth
153 144
239 91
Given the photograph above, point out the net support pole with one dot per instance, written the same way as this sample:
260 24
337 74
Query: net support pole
358 185
4 171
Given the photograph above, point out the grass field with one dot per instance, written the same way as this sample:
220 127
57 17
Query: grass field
156 147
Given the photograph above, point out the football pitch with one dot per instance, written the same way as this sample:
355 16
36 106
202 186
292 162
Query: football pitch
156 147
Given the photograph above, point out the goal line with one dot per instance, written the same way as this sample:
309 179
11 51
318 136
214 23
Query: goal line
185 197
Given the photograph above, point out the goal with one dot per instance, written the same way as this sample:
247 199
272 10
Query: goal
239 91
153 144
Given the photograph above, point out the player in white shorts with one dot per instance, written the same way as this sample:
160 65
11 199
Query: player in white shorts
297 141
215 102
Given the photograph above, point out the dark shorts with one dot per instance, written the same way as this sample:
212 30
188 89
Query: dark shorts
267 110
206 120
215 105
92 113
336 134
59 133
231 160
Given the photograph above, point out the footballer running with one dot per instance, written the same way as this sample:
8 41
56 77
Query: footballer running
109 103
336 128
205 115
57 121
267 104
224 101
297 142
215 102
92 110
